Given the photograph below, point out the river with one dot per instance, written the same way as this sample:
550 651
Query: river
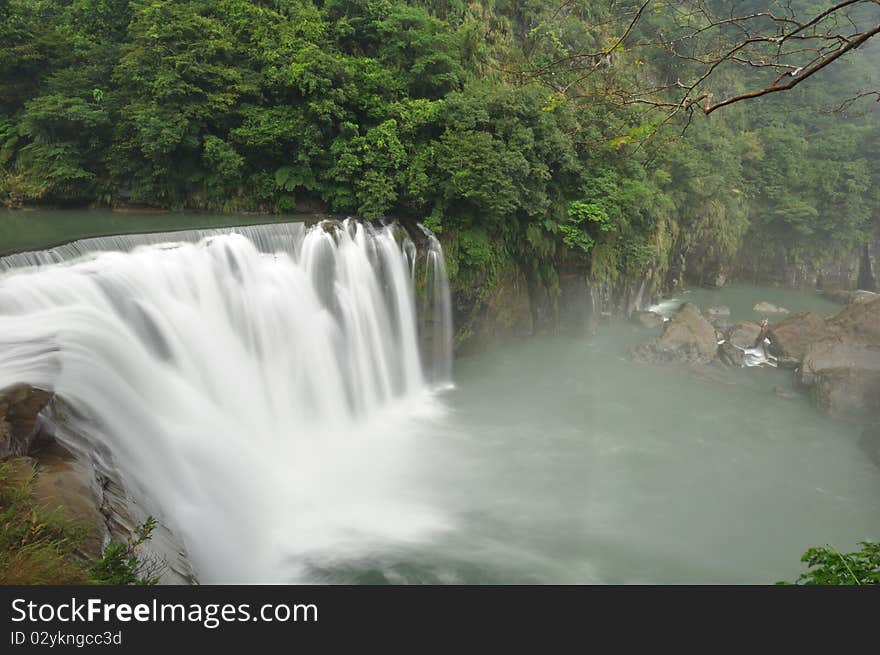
549 460
566 462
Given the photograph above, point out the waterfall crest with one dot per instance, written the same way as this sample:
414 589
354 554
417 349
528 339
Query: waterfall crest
256 387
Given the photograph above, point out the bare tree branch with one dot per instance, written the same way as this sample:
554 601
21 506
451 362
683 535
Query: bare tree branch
798 75
784 43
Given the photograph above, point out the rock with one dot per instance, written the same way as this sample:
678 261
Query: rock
859 322
121 515
790 338
852 393
769 308
63 483
835 353
576 306
838 357
744 334
722 326
845 297
718 311
74 484
739 337
731 355
720 280
859 297
648 319
19 429
687 337
844 377
503 313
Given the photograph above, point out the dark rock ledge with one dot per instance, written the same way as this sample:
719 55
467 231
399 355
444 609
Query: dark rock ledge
71 480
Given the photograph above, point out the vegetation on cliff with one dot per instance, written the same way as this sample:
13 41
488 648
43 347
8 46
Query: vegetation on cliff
40 545
430 110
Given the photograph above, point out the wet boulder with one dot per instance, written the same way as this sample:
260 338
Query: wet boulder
842 369
744 334
731 355
844 377
851 393
722 326
836 353
720 318
648 319
739 337
859 322
790 338
19 428
688 337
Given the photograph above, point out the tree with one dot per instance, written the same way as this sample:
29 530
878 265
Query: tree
776 46
828 566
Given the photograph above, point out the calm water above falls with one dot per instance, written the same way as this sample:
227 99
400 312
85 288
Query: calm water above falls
36 229
552 460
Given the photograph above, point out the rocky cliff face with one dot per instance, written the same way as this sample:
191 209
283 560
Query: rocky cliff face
810 266
19 429
485 313
75 483
518 304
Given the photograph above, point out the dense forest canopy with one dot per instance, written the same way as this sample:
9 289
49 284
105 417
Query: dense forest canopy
456 113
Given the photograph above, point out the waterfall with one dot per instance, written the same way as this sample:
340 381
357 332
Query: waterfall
258 389
439 310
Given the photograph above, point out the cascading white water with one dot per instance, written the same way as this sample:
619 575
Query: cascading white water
439 310
255 388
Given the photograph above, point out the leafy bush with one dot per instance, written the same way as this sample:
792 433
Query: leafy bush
125 564
828 566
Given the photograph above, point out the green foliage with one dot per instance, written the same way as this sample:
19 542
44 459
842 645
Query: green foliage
421 109
583 216
828 566
39 546
36 546
125 564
